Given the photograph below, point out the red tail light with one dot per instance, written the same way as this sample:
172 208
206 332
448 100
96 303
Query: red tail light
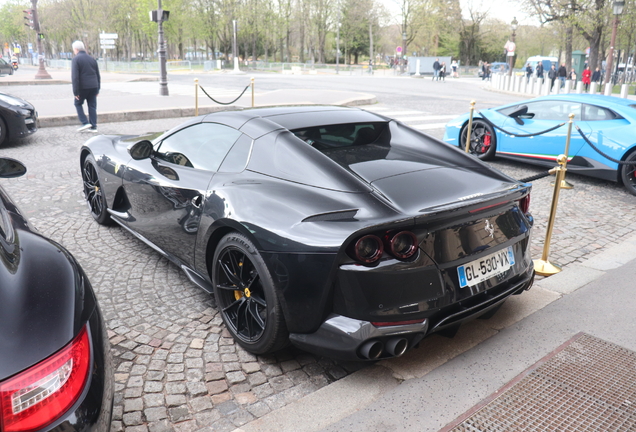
368 249
524 204
402 245
41 394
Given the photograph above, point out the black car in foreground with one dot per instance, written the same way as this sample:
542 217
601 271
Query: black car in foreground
18 118
55 370
347 233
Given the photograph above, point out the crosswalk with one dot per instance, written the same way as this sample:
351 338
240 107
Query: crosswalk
420 120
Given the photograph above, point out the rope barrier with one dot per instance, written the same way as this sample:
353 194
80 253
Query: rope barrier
225 103
535 177
515 134
599 151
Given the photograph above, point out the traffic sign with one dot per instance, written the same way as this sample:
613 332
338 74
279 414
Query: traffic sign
108 46
108 36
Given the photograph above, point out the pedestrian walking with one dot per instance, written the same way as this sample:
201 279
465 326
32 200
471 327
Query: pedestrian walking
562 74
596 76
86 84
442 71
552 76
436 67
454 69
573 77
540 72
528 72
586 77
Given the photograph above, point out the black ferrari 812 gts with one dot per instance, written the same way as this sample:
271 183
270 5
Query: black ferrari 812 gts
343 232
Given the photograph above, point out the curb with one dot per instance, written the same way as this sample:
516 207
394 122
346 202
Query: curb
113 117
340 399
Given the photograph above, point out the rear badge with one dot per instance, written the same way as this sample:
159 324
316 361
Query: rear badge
490 229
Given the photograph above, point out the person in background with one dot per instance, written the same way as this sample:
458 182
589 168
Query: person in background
436 67
573 77
454 69
562 74
596 76
586 77
86 84
528 72
442 71
552 76
540 72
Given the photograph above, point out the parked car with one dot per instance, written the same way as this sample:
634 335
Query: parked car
55 370
547 63
608 122
496 67
6 67
343 232
18 118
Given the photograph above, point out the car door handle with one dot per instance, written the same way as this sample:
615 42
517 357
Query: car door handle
196 201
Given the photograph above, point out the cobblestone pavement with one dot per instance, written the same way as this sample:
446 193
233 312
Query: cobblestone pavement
177 368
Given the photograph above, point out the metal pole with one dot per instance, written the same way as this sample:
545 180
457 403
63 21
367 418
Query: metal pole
470 125
235 48
564 184
338 44
543 267
41 73
163 76
252 84
610 59
196 97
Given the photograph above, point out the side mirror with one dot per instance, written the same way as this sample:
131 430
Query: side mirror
518 113
10 168
140 150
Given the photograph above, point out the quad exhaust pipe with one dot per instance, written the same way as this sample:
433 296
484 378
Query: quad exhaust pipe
394 347
371 349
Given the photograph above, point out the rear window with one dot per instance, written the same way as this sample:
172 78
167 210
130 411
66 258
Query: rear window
341 135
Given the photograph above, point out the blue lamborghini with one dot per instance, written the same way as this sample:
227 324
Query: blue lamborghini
534 131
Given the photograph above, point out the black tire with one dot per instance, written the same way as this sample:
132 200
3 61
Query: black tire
11 71
4 133
246 297
93 192
483 141
628 174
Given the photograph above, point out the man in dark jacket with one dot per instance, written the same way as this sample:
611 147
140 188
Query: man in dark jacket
86 85
436 68
552 75
540 71
562 73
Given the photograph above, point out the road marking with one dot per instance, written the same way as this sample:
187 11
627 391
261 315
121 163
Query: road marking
428 126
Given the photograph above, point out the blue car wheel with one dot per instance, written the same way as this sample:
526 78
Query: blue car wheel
483 141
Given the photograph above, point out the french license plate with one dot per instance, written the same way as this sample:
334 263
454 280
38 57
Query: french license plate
29 121
484 268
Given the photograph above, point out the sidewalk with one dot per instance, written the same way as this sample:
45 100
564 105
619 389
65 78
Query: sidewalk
431 386
128 97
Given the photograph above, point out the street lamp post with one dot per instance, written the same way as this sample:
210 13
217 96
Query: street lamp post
513 27
41 73
403 50
163 75
338 44
235 48
617 9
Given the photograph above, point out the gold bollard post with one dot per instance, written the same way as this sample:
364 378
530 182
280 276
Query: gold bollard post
543 267
470 125
252 84
564 184
196 97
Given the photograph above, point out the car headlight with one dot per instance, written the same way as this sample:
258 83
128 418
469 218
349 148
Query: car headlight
11 100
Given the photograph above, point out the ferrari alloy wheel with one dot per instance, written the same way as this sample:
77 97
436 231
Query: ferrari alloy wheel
482 140
628 173
246 297
93 192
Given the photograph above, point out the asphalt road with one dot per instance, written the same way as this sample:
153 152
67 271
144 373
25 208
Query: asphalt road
176 366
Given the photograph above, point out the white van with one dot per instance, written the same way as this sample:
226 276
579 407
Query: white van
546 61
